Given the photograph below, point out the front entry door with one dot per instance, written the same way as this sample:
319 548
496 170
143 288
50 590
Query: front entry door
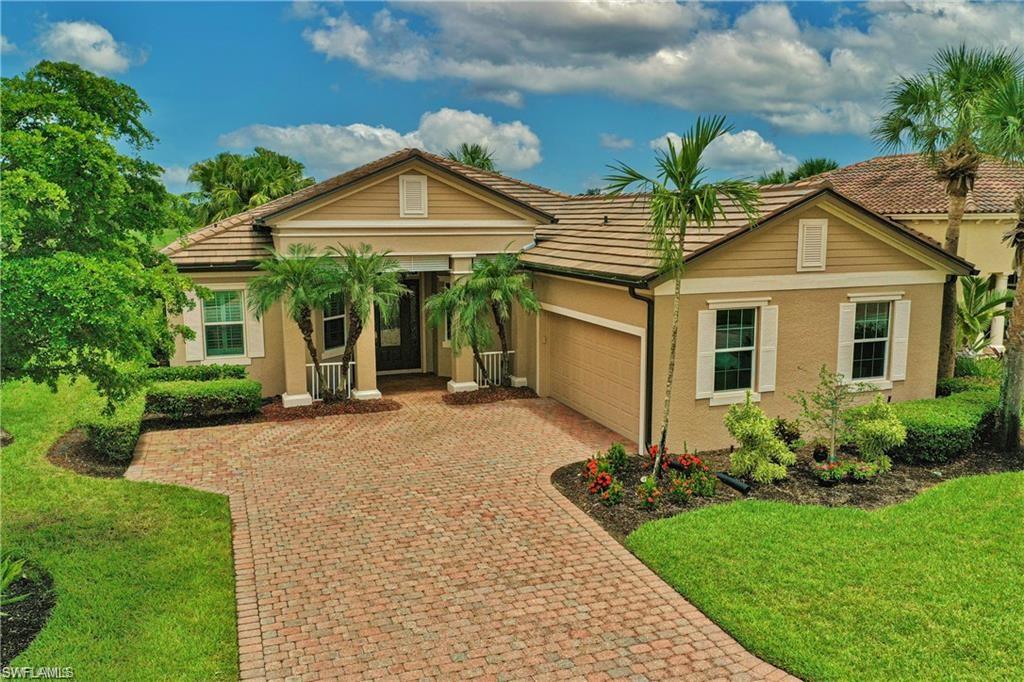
398 342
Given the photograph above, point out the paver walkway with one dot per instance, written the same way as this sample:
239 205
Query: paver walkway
429 543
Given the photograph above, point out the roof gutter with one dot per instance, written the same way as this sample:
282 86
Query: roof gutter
645 437
587 276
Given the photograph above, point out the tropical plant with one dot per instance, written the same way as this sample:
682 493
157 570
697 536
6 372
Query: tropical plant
775 177
822 410
11 571
680 197
466 312
980 303
304 281
231 183
876 430
806 168
476 155
762 455
368 280
503 284
954 114
1011 394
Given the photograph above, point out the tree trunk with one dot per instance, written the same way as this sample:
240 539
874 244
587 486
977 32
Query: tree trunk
671 372
947 334
306 328
480 363
500 324
355 330
1012 393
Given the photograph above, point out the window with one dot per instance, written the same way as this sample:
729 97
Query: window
734 349
870 340
223 324
334 323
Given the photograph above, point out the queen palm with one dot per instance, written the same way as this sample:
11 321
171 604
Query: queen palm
303 281
367 279
502 284
681 197
476 155
942 115
465 311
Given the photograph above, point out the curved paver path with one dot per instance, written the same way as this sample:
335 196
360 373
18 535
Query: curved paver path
429 543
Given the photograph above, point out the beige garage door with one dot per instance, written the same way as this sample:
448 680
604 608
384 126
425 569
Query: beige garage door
592 369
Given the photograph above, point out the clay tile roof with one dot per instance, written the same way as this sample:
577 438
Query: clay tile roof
906 184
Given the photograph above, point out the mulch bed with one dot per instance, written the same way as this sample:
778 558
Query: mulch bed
72 451
276 412
21 622
800 487
491 394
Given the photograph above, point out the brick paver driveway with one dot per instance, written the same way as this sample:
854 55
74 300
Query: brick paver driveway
429 543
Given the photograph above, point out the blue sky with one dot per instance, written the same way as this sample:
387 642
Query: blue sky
558 90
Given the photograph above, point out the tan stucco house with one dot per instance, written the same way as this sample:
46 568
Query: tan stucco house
819 278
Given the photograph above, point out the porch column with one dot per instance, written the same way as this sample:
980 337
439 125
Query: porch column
296 391
463 373
366 361
997 333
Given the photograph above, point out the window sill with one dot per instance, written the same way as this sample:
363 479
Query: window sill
227 360
872 384
334 352
733 397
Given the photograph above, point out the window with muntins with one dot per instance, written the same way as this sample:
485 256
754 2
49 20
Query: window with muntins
223 324
871 340
334 322
735 337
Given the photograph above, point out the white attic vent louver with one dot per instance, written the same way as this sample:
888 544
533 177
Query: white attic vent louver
812 244
413 194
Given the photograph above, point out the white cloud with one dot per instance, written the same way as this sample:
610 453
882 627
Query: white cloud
793 75
6 46
330 149
744 152
510 98
613 141
87 44
175 179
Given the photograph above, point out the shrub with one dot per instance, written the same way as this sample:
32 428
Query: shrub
952 385
761 455
679 488
193 373
841 469
788 431
114 436
648 492
11 571
600 483
179 400
703 483
617 458
967 366
875 430
941 429
613 494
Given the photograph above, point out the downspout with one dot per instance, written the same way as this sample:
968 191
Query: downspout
649 378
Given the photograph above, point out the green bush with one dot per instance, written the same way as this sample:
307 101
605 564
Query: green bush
114 436
762 455
617 458
876 429
942 429
180 400
967 366
193 373
965 383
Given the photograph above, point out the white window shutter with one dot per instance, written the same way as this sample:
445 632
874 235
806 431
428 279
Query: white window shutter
812 244
847 320
706 353
413 191
900 340
253 332
768 349
193 319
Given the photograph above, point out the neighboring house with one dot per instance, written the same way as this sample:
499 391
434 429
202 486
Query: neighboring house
905 189
818 279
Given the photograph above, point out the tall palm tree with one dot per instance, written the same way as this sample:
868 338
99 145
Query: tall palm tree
476 155
681 197
367 279
303 281
941 114
503 284
465 311
1011 392
808 167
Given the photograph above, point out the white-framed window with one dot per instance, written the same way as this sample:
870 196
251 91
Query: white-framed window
412 190
871 328
335 323
737 348
812 244
735 343
224 324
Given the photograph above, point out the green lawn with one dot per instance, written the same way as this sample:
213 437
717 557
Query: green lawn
143 572
930 589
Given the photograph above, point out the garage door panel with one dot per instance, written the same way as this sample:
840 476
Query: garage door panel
594 370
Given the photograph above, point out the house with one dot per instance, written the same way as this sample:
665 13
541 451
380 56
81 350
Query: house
818 278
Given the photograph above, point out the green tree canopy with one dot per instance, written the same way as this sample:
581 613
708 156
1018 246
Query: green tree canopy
808 167
83 288
476 155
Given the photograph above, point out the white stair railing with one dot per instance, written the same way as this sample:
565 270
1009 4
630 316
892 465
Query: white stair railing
492 361
334 376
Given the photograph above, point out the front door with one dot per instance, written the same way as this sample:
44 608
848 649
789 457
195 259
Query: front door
398 341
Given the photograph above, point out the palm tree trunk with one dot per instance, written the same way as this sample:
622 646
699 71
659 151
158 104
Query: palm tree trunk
306 328
676 295
480 363
355 330
947 333
500 324
1012 393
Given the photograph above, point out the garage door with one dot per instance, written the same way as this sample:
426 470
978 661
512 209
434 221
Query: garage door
592 369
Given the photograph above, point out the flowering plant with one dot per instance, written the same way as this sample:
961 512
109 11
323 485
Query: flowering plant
600 483
613 494
596 465
680 489
690 463
703 483
648 492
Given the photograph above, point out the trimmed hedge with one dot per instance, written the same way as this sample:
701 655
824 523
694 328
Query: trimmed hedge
942 429
180 400
114 436
967 366
193 373
966 383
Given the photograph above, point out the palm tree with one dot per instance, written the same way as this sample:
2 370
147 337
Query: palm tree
1011 392
979 304
231 183
465 311
304 281
501 282
476 155
942 115
368 279
775 177
813 166
680 197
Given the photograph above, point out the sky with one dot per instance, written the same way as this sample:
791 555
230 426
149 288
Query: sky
557 90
